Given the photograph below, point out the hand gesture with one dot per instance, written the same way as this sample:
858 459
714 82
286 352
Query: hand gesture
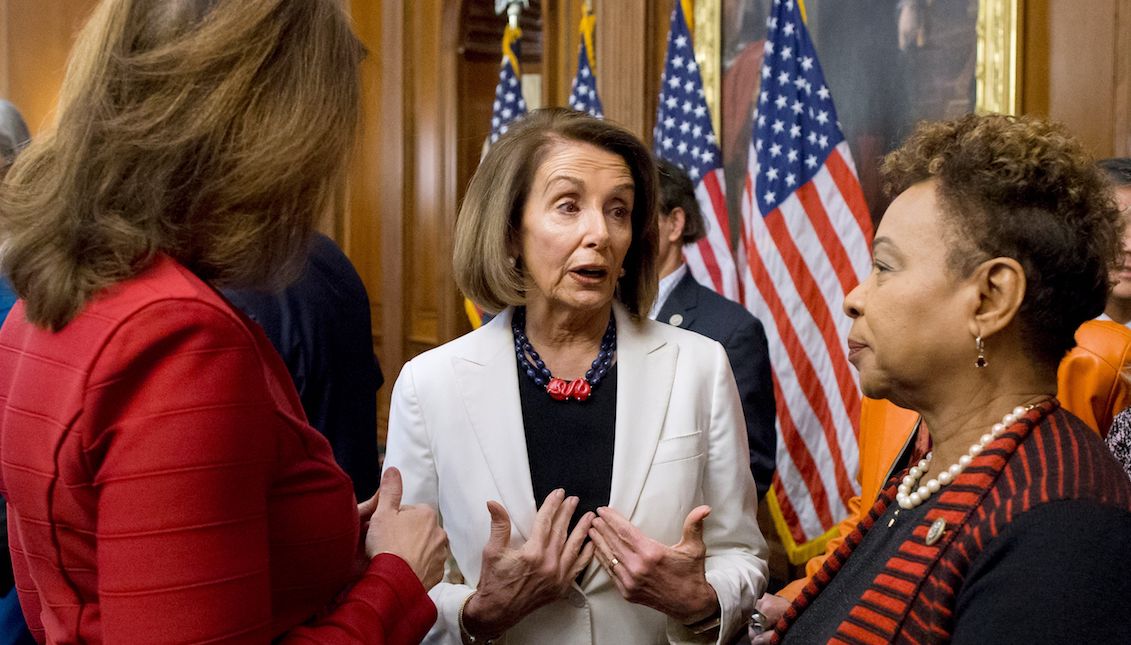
671 579
515 582
411 532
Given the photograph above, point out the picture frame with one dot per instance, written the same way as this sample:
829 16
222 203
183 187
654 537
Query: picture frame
968 59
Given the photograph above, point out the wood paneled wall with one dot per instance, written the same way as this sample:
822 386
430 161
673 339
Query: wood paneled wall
425 100
35 39
1077 69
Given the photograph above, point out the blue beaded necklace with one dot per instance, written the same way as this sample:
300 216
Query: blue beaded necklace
559 389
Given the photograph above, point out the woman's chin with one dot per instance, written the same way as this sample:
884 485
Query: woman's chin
872 387
583 300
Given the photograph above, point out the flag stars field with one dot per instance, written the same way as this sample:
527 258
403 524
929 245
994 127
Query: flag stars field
684 135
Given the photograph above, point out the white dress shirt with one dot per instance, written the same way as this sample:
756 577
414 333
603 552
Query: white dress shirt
667 286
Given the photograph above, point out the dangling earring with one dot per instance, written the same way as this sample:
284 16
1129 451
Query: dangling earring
622 272
511 261
981 362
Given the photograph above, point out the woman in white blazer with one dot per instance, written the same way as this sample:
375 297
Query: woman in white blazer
588 464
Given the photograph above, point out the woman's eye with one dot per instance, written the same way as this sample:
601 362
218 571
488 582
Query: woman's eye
620 212
568 207
880 266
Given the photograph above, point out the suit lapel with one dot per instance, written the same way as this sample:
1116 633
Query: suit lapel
645 371
683 300
487 374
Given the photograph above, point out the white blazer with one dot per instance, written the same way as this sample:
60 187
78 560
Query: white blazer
456 433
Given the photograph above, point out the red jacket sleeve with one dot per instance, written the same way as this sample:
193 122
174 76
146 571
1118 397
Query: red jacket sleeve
389 599
182 435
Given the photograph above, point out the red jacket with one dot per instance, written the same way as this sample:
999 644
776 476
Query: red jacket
164 486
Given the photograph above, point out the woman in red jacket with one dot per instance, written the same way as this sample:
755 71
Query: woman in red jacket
163 483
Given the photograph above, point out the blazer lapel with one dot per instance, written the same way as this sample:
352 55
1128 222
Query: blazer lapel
487 374
683 300
645 371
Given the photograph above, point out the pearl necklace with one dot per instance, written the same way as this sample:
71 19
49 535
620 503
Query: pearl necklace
910 494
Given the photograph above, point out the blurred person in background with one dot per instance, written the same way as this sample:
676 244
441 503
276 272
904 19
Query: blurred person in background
14 137
320 324
1118 308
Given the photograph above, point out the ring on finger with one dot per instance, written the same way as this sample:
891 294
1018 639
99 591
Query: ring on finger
613 563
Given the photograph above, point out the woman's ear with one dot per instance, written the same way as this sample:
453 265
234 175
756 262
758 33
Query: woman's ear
677 219
1001 289
514 252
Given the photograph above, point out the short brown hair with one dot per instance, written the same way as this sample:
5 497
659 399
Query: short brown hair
214 131
1021 188
678 191
490 219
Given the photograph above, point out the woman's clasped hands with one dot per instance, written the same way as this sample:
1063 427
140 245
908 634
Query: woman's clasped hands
514 582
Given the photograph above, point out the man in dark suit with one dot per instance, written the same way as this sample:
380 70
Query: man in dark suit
321 326
683 302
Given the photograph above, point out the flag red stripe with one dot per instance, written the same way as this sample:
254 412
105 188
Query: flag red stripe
818 307
791 438
718 202
823 227
838 258
788 513
805 464
850 190
707 252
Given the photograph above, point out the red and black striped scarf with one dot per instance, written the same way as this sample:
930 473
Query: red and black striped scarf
1047 455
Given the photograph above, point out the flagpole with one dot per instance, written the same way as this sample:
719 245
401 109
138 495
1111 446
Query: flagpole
513 9
509 105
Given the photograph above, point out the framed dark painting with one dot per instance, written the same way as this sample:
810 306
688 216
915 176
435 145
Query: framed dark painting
888 63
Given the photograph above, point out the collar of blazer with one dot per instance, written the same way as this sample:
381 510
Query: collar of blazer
487 377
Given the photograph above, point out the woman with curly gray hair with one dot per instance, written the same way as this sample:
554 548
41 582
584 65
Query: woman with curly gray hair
996 248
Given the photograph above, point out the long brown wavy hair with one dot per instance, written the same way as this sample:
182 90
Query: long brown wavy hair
214 131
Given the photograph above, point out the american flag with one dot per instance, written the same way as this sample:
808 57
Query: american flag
583 93
806 242
685 137
508 106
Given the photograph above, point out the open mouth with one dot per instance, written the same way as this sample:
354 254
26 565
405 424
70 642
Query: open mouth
591 273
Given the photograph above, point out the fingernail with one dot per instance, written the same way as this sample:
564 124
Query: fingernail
572 499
